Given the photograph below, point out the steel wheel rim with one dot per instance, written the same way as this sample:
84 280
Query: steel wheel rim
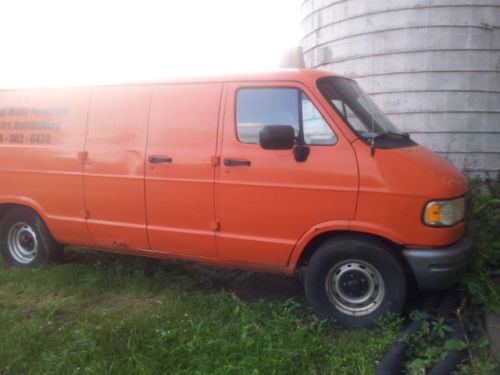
355 287
22 243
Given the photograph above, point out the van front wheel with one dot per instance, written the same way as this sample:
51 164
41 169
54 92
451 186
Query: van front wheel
355 280
25 240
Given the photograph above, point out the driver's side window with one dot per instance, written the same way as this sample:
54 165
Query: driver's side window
258 107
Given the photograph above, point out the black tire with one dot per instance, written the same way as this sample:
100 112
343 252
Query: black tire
355 267
25 240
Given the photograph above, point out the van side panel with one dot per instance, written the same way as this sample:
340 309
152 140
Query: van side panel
114 169
180 192
41 133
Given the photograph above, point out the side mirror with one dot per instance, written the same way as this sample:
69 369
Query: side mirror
277 137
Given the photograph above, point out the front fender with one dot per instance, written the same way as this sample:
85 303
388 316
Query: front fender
340 226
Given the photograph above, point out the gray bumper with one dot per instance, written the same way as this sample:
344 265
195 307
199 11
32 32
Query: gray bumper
439 268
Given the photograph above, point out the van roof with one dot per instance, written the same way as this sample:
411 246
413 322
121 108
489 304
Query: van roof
273 75
301 75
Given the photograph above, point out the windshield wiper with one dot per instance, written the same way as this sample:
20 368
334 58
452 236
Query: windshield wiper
403 135
382 135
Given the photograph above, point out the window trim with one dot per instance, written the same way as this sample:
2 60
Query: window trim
298 89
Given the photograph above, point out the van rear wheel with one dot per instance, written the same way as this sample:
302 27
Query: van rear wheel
355 280
25 240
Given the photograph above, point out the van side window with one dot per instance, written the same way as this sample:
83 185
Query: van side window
258 107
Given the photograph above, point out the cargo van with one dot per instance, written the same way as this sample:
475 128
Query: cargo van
268 171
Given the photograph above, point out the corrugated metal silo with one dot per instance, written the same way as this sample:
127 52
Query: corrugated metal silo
432 65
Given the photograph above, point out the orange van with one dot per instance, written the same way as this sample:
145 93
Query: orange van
266 171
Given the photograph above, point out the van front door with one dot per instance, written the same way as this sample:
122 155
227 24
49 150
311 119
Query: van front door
180 170
266 200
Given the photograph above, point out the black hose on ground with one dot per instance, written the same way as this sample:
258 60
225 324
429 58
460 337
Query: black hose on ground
454 357
393 361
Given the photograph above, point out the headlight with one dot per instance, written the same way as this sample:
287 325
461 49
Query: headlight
444 213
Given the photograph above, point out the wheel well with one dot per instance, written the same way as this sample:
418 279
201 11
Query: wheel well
6 207
313 245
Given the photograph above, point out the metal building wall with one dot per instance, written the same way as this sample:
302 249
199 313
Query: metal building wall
432 65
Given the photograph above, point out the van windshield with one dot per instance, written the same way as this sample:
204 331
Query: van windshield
356 108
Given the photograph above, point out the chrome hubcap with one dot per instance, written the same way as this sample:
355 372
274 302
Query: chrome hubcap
355 287
22 243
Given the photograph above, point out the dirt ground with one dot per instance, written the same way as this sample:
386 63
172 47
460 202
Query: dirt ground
251 286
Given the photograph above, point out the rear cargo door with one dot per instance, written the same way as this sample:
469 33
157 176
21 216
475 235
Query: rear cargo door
180 168
114 166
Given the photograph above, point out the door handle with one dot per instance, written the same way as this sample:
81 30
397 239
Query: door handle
159 160
237 162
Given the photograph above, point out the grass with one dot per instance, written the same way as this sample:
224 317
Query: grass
105 314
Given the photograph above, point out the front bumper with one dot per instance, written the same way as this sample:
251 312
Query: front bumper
439 268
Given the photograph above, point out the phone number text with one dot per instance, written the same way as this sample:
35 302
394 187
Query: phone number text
36 139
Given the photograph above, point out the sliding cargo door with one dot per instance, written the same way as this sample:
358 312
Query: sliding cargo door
180 169
114 166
